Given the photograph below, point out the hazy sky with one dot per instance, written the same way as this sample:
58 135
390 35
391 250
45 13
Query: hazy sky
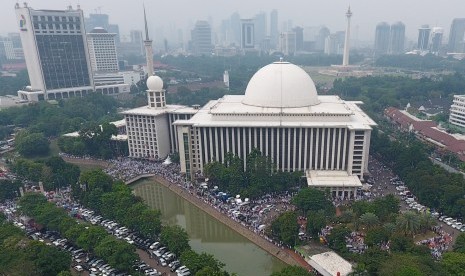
183 13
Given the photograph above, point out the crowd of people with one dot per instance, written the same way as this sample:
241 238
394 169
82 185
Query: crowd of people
257 214
439 243
253 214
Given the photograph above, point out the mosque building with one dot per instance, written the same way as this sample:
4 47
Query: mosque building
280 114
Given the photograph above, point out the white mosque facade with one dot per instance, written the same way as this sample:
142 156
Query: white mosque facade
280 114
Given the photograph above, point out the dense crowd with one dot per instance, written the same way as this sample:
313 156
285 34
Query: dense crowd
257 214
252 214
439 243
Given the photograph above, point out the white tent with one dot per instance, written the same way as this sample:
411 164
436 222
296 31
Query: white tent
167 161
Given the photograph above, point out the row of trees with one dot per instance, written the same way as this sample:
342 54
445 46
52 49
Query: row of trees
431 184
379 92
54 172
66 116
115 201
22 256
117 253
94 140
418 62
259 177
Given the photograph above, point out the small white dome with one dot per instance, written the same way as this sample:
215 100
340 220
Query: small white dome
281 84
154 83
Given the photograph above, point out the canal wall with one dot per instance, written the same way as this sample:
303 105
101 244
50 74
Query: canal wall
284 255
88 162
139 177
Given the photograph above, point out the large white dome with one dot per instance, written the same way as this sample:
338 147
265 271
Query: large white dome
281 84
154 83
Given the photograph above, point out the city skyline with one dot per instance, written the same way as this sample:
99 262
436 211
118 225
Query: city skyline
328 13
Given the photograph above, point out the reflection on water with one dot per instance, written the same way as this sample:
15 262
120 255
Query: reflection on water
206 233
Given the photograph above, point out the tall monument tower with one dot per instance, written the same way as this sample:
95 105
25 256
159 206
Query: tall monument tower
345 59
148 48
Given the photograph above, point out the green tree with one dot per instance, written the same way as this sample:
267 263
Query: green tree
310 199
337 238
292 271
96 179
385 206
401 243
376 236
48 259
31 144
9 189
408 265
91 237
315 222
426 222
459 245
369 220
149 224
285 228
453 263
29 202
370 261
74 232
119 254
175 238
196 262
408 223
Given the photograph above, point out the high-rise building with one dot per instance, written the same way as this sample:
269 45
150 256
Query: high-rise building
436 39
260 27
397 39
55 48
247 34
274 33
456 36
97 20
287 43
201 37
383 31
334 44
11 48
16 40
320 40
236 27
102 50
137 38
114 29
299 38
423 37
6 49
102 20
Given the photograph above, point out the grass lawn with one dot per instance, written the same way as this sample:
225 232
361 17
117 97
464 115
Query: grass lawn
427 235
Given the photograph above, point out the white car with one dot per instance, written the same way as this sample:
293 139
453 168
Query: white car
457 225
78 268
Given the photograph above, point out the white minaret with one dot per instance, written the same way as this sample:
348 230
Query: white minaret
345 59
226 79
148 49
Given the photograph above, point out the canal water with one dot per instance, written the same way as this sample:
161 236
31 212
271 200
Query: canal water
206 233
